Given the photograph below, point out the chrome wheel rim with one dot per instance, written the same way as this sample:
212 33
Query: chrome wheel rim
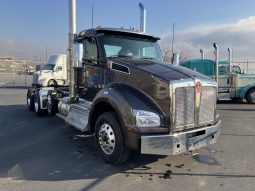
28 101
252 96
51 83
106 138
36 106
49 104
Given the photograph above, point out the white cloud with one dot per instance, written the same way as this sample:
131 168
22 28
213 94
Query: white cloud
240 36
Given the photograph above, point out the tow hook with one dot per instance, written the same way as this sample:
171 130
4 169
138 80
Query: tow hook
195 152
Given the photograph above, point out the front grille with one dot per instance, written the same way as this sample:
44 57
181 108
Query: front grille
184 107
207 107
186 115
35 78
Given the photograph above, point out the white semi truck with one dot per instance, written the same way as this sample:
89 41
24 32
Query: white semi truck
53 73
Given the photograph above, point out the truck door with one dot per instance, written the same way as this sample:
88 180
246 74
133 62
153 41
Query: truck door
224 79
93 68
58 72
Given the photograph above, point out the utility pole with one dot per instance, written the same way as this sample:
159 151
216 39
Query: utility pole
2 82
173 42
1 52
92 16
232 55
46 53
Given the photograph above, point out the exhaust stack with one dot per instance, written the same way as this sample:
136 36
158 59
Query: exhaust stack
142 18
216 53
176 59
230 59
71 51
202 54
230 55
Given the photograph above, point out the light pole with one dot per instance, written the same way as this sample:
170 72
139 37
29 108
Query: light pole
46 53
13 74
2 68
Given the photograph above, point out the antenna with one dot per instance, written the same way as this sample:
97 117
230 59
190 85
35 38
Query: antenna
92 16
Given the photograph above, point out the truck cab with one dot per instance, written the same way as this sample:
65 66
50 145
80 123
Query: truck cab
53 73
232 83
131 100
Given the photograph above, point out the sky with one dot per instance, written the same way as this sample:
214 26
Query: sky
29 27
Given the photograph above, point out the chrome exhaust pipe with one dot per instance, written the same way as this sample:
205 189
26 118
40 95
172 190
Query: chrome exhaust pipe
229 55
142 18
230 59
71 51
202 54
216 53
176 59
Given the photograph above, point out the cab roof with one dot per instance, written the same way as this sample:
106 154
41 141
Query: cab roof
202 61
123 31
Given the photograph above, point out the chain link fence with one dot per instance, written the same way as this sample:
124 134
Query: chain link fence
16 73
15 80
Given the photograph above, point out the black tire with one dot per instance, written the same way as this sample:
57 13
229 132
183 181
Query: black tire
37 105
52 83
250 96
30 100
120 153
52 105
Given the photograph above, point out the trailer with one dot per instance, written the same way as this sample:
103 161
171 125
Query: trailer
121 91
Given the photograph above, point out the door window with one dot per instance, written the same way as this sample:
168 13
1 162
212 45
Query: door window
90 51
59 68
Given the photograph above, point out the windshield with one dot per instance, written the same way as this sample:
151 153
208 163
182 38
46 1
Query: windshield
47 67
130 47
236 69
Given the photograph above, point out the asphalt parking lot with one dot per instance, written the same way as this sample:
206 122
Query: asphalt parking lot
47 154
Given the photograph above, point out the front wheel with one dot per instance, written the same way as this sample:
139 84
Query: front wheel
52 83
250 97
110 139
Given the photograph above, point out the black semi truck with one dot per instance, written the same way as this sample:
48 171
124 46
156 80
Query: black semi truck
121 91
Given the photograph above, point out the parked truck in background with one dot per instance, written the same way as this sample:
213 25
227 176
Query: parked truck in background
232 83
53 73
122 92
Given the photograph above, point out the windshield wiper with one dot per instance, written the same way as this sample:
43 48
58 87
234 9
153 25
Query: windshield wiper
120 56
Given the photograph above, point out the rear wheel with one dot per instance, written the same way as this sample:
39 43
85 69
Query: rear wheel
110 139
250 97
37 105
30 100
51 104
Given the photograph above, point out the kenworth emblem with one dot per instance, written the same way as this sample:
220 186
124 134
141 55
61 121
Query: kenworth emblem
198 87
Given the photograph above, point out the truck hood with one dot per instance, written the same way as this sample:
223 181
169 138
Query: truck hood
36 73
42 72
162 70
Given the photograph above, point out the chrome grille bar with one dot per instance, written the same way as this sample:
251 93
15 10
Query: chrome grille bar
184 106
207 107
192 108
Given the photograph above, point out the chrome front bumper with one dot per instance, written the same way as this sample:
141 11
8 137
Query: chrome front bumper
180 142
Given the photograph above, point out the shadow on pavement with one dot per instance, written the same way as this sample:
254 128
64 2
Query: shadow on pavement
46 149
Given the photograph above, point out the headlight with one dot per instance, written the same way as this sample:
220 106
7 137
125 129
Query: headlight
146 118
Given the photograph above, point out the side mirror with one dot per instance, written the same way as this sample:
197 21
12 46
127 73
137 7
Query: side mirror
55 69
